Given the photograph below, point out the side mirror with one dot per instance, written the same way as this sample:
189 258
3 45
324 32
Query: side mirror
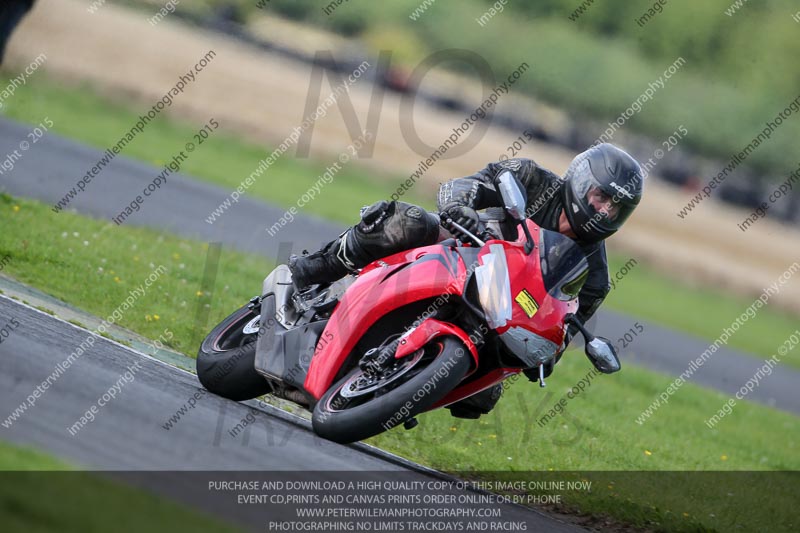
512 194
601 352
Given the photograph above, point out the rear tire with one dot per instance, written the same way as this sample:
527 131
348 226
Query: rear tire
226 359
334 419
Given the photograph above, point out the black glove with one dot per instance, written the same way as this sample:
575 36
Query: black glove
462 191
466 217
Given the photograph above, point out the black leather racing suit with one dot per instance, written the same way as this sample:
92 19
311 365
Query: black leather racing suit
545 203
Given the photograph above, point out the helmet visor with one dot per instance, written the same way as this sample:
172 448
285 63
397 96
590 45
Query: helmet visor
607 207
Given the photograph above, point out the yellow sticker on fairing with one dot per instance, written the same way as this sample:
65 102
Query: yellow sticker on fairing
527 303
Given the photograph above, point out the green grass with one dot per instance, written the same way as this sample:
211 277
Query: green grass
95 264
226 161
598 434
42 494
16 458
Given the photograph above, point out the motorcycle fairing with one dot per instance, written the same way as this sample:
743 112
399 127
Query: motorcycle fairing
383 286
532 308
428 273
284 355
426 331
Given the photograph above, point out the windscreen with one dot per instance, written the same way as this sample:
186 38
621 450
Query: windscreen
564 267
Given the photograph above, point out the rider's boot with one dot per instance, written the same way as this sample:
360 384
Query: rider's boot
332 262
385 228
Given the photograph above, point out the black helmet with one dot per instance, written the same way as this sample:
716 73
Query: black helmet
603 174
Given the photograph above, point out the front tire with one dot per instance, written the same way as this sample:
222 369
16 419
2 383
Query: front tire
353 409
226 359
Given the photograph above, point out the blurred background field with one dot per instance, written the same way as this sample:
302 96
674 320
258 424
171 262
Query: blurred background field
740 70
267 69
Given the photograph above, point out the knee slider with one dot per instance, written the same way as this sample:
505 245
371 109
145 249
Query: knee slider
387 228
372 216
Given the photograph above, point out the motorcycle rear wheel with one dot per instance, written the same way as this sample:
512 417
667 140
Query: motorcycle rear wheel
226 359
355 408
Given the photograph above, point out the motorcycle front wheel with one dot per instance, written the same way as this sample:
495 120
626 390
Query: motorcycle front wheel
226 359
363 404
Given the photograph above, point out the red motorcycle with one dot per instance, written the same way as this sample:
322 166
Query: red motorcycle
412 332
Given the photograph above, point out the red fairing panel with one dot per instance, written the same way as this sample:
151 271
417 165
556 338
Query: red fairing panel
428 330
383 286
528 294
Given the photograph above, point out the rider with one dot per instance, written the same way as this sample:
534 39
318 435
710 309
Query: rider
599 191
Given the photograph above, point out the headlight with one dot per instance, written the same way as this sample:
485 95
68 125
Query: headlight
494 287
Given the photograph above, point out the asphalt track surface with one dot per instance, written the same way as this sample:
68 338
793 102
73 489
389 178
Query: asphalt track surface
52 166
